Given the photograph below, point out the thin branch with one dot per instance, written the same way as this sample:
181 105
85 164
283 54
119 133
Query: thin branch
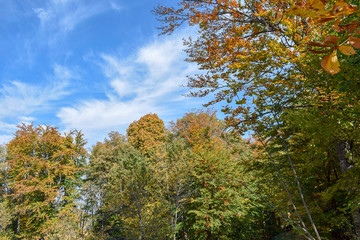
286 188
283 216
297 181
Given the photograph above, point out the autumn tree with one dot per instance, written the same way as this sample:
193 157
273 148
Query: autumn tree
256 58
198 129
147 133
44 179
217 205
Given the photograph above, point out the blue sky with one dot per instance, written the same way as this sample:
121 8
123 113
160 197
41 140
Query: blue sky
92 65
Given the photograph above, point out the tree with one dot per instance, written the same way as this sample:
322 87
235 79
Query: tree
5 208
171 173
342 17
199 129
44 178
102 159
250 52
147 133
124 200
216 200
217 205
254 58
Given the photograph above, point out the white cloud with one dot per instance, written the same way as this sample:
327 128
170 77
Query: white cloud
115 6
159 57
27 119
122 88
43 15
61 16
5 138
95 114
148 81
19 100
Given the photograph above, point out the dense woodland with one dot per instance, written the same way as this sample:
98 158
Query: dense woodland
285 74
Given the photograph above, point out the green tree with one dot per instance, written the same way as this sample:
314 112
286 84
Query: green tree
5 208
216 200
124 192
217 207
171 172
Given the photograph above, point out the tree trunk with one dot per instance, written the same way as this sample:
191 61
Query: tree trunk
341 152
345 165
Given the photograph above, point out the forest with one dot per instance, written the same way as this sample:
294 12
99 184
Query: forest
284 73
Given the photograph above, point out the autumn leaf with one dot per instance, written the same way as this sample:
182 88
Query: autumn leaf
324 19
347 50
330 63
318 5
355 42
331 39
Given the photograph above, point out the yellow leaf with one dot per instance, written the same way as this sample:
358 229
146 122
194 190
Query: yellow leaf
297 11
330 63
355 42
340 4
318 5
347 50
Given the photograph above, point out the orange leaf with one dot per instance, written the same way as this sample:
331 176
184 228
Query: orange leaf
330 63
355 42
336 26
324 19
347 50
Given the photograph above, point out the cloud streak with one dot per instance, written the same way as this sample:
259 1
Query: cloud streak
148 81
20 100
64 15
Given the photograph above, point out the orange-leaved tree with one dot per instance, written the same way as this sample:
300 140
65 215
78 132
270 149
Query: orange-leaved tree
147 133
339 20
44 178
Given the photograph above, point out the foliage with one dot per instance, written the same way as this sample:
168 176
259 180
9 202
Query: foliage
215 203
5 220
341 14
44 177
254 59
125 202
218 206
147 133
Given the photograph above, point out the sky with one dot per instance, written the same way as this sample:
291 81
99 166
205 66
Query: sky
90 65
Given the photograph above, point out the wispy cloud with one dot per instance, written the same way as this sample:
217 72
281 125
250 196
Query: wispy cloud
64 15
19 100
148 81
115 6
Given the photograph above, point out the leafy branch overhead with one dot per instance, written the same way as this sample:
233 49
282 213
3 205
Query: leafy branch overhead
339 15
